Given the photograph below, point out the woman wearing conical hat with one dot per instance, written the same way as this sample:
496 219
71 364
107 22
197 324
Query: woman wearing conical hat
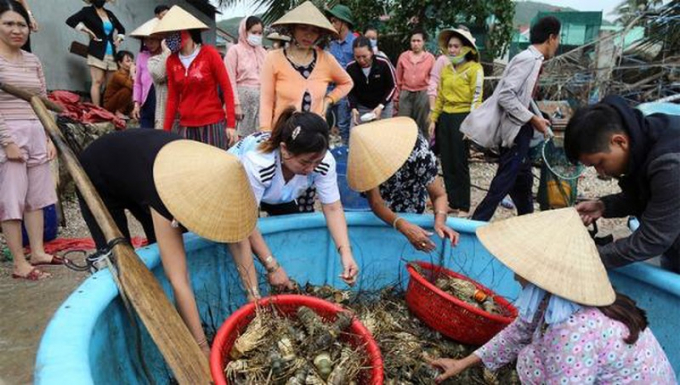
171 184
572 327
458 91
144 92
299 74
195 72
392 163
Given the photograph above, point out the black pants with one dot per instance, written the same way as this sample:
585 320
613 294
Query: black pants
454 150
304 204
513 177
117 209
147 114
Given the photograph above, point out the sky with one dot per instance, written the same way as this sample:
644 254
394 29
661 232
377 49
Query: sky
607 6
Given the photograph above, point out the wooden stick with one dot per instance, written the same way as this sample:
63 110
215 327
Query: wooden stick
168 331
25 95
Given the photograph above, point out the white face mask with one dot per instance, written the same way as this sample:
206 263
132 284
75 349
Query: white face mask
254 40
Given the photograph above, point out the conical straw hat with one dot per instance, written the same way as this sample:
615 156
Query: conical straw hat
146 29
306 13
378 149
445 36
177 19
206 189
553 250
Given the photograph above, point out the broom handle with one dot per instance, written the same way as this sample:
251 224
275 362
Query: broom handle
26 95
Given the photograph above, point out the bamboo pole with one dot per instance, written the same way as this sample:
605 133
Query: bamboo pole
168 331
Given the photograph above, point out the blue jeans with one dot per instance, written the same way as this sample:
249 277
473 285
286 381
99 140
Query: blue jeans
513 177
342 117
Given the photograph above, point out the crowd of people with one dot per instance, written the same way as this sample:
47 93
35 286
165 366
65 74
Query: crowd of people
252 130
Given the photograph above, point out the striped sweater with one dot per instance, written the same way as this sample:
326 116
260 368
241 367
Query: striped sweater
27 74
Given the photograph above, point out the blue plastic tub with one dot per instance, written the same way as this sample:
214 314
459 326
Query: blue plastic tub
50 227
90 340
351 200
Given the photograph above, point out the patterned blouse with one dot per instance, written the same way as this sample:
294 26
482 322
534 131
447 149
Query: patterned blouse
305 71
587 348
406 190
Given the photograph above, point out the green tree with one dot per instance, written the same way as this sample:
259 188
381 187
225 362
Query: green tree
490 18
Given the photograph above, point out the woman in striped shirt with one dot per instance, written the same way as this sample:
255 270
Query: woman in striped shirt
459 92
26 184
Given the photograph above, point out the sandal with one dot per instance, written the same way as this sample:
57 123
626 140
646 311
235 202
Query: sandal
56 260
33 275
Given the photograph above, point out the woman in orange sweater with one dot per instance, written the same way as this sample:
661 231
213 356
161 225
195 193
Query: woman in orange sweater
299 74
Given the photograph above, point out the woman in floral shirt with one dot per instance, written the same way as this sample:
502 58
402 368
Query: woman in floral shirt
392 163
572 327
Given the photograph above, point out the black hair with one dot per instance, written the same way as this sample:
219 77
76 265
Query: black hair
160 8
312 137
196 36
12 5
590 129
420 32
362 41
625 310
120 55
252 21
370 28
544 27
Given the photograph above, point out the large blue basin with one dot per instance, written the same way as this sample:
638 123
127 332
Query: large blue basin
90 338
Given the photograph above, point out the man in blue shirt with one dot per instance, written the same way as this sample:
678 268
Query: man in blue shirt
341 18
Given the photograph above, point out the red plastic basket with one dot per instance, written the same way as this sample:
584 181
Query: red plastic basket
450 316
287 304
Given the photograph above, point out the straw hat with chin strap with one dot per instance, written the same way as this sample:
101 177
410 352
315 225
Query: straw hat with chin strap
378 149
465 35
146 29
553 250
306 13
205 189
177 19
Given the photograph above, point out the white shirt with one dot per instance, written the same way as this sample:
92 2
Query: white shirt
266 175
188 59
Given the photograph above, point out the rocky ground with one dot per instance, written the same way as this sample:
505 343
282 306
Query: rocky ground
26 307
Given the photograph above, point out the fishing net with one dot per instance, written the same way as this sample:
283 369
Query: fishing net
559 177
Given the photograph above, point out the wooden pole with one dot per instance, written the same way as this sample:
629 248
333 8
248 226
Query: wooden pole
168 331
25 95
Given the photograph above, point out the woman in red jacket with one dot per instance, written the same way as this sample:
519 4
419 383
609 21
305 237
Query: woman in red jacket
195 71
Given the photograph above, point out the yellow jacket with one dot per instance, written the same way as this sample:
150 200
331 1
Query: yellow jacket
460 89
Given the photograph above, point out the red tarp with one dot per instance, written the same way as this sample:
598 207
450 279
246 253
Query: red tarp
84 112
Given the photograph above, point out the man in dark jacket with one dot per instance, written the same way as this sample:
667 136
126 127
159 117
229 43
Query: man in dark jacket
644 154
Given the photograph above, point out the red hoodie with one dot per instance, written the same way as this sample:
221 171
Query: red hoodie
193 91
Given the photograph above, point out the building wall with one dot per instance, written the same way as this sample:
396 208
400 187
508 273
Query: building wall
67 71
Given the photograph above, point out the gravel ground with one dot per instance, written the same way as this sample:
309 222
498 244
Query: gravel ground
26 307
